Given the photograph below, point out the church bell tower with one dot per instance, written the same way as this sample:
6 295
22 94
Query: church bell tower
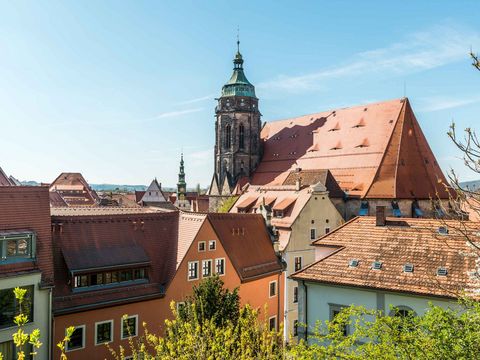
237 129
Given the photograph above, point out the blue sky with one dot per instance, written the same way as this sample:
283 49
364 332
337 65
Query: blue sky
116 89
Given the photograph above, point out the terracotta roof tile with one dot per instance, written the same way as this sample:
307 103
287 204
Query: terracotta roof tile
247 243
405 241
379 145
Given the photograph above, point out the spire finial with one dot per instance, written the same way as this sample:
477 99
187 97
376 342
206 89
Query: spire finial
238 39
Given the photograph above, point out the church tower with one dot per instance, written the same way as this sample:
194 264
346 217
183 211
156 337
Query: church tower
237 130
182 201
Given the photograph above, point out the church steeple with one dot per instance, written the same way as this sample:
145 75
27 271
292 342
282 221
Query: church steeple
181 185
238 85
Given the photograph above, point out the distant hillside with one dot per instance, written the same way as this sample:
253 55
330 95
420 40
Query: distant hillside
113 187
471 185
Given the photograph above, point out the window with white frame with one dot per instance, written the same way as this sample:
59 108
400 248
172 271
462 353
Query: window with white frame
103 332
272 289
206 268
220 266
192 270
313 234
77 339
298 263
272 323
16 247
201 246
295 294
212 245
129 326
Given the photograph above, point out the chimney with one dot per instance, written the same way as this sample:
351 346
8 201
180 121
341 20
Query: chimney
380 216
298 184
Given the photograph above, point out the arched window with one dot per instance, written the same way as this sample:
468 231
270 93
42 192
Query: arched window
241 131
242 166
228 136
402 311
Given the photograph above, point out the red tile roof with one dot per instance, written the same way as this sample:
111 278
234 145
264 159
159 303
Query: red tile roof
246 241
4 180
313 177
401 241
188 226
373 151
155 233
27 208
74 190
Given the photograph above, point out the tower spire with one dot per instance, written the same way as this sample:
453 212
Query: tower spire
238 39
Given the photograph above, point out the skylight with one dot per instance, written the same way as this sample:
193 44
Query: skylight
442 271
353 263
443 230
408 268
376 265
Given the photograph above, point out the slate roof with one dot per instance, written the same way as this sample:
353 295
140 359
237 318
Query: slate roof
76 236
27 208
373 151
246 241
401 241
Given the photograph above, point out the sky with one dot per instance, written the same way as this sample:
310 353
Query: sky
117 89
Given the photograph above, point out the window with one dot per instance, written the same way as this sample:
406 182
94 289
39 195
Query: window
396 209
295 327
9 307
295 294
10 352
103 332
192 270
402 311
376 265
327 230
15 247
220 266
129 326
241 131
278 213
272 323
212 245
77 340
313 234
109 278
334 311
363 209
228 136
272 289
201 246
206 268
298 263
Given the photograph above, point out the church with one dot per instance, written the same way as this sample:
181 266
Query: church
377 153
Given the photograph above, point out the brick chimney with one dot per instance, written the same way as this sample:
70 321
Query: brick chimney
380 216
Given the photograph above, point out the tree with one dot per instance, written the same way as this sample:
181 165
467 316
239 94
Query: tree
227 204
212 302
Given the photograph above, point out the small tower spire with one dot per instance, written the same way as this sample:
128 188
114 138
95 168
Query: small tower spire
238 39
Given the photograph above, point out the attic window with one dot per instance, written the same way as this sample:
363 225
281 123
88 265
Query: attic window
277 138
443 230
365 109
360 123
442 271
275 154
336 127
353 263
377 265
292 153
363 209
396 209
364 143
408 268
338 146
278 214
293 136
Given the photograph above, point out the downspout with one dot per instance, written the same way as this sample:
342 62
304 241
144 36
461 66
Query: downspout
278 298
305 310
50 325
285 301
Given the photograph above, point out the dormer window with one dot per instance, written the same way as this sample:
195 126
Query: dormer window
17 246
278 214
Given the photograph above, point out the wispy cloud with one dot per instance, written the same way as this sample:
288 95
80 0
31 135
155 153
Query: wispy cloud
171 114
437 103
419 51
196 100
201 157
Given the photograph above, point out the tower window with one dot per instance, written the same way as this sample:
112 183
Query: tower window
228 136
241 131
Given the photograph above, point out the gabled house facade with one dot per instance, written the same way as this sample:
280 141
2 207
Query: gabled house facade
298 212
25 261
379 262
236 247
71 189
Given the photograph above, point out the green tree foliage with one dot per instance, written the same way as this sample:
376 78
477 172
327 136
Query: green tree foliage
213 302
227 204
438 334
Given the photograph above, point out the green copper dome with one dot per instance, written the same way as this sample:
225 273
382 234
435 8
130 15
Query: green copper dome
238 85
